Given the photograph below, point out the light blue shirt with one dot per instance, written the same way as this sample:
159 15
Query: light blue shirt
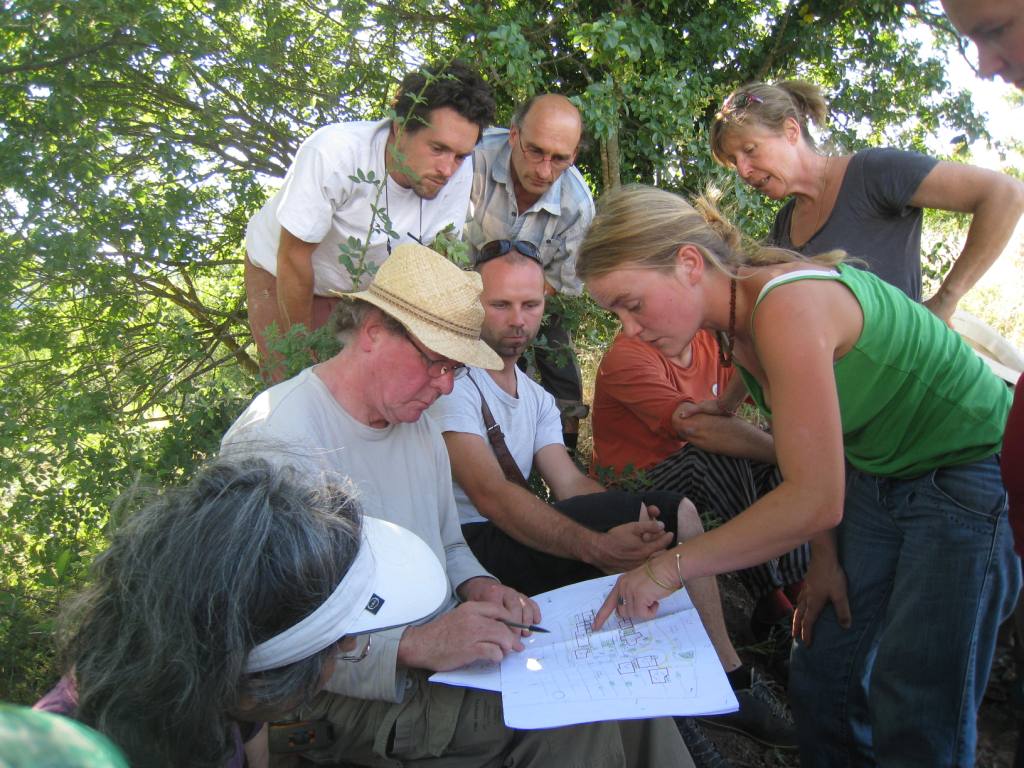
556 223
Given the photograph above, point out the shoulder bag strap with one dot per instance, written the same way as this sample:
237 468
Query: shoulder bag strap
497 440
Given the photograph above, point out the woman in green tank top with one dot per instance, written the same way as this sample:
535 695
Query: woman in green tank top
887 429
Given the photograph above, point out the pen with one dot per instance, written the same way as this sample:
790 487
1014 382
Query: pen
531 627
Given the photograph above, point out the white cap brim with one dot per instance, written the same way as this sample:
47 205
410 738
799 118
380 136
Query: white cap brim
408 581
394 580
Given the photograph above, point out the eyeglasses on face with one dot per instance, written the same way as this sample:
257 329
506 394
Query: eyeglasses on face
497 248
437 368
359 652
537 156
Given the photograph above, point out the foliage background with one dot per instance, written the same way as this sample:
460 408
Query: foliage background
136 139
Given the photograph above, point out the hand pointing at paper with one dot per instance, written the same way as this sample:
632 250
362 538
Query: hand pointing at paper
637 594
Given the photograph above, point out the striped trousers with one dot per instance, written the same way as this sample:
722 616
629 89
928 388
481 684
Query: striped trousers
721 487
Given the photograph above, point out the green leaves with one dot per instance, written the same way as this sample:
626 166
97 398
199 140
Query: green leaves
136 140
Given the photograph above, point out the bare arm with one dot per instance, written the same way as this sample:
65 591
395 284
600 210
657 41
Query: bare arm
996 202
735 392
530 521
562 475
725 405
726 435
294 281
796 343
808 439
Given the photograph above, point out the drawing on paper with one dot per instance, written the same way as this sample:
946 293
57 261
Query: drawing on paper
664 666
624 659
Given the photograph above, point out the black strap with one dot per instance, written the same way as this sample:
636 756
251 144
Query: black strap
497 440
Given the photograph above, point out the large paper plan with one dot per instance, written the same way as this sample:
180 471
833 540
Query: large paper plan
665 666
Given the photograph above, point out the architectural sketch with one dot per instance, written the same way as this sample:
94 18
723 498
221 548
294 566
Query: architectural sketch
627 669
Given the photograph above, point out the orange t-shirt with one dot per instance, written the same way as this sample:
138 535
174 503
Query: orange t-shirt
635 393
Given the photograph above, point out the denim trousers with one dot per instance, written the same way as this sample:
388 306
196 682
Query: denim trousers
931 574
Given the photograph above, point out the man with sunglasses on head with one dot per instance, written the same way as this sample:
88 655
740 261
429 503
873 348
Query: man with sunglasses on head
526 188
499 425
359 416
293 267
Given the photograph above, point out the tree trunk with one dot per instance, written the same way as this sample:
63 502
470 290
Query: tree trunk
610 177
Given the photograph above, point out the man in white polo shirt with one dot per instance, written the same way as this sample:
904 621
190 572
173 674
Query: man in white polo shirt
293 242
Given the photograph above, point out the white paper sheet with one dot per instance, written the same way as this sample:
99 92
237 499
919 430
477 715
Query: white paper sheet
485 675
665 666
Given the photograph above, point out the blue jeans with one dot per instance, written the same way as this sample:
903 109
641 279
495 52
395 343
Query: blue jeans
931 575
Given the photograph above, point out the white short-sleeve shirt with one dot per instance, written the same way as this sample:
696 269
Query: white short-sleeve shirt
529 422
321 203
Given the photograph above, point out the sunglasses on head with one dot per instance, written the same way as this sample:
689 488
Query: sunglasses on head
741 101
496 248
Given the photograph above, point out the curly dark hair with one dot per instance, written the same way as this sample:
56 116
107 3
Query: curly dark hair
452 85
157 644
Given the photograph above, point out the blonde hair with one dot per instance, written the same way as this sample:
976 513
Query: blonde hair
641 226
768 106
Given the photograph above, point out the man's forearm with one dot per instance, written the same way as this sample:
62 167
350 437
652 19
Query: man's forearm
294 281
580 485
735 392
539 526
294 298
726 435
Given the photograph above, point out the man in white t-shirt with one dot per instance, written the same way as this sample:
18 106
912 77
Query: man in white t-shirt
534 546
334 187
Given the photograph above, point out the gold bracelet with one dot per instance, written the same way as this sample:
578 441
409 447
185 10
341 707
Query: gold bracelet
679 572
652 577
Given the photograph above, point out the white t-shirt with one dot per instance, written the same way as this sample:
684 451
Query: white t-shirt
400 473
529 422
319 203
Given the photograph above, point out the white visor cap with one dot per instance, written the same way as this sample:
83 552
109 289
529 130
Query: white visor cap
394 580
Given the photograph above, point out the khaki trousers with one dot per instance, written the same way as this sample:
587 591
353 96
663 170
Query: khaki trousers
444 726
261 298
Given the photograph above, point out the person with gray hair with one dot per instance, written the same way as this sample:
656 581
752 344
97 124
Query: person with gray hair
361 415
226 602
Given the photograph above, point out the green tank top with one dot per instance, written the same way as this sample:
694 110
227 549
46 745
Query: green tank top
912 395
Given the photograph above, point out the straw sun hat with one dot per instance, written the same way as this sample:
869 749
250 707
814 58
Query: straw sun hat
435 301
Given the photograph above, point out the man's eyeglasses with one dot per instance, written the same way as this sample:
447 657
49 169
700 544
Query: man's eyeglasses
496 248
437 368
362 648
537 156
741 101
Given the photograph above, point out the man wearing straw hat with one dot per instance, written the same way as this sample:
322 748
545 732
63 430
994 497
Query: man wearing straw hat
361 415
